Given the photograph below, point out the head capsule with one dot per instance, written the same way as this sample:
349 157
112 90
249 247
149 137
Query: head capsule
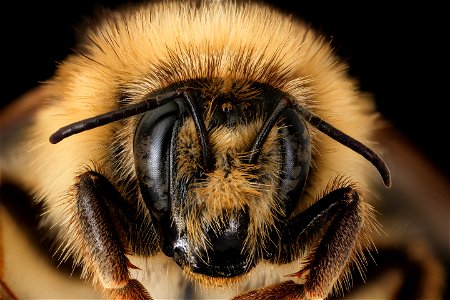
211 211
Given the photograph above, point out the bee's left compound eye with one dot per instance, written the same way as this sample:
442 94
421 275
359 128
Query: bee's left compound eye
295 150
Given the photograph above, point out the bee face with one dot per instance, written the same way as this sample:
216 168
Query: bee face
242 192
225 136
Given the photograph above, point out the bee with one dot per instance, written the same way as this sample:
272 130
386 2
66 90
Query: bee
214 144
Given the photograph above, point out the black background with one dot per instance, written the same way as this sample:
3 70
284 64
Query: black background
395 52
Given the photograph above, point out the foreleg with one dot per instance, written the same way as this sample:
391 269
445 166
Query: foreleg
338 219
103 218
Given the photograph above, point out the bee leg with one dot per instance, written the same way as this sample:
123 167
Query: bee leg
339 218
103 238
342 210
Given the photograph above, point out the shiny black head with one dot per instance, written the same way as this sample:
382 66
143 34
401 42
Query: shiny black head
221 167
219 172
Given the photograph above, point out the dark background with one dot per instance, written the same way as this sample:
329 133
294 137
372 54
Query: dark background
395 52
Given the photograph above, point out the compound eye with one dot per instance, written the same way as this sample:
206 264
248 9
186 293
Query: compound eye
296 158
153 143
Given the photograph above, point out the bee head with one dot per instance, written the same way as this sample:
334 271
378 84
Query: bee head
220 171
221 166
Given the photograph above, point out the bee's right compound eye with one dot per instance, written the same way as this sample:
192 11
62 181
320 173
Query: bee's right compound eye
153 143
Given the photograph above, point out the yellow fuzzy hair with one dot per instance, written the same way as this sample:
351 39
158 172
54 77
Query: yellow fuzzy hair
142 49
